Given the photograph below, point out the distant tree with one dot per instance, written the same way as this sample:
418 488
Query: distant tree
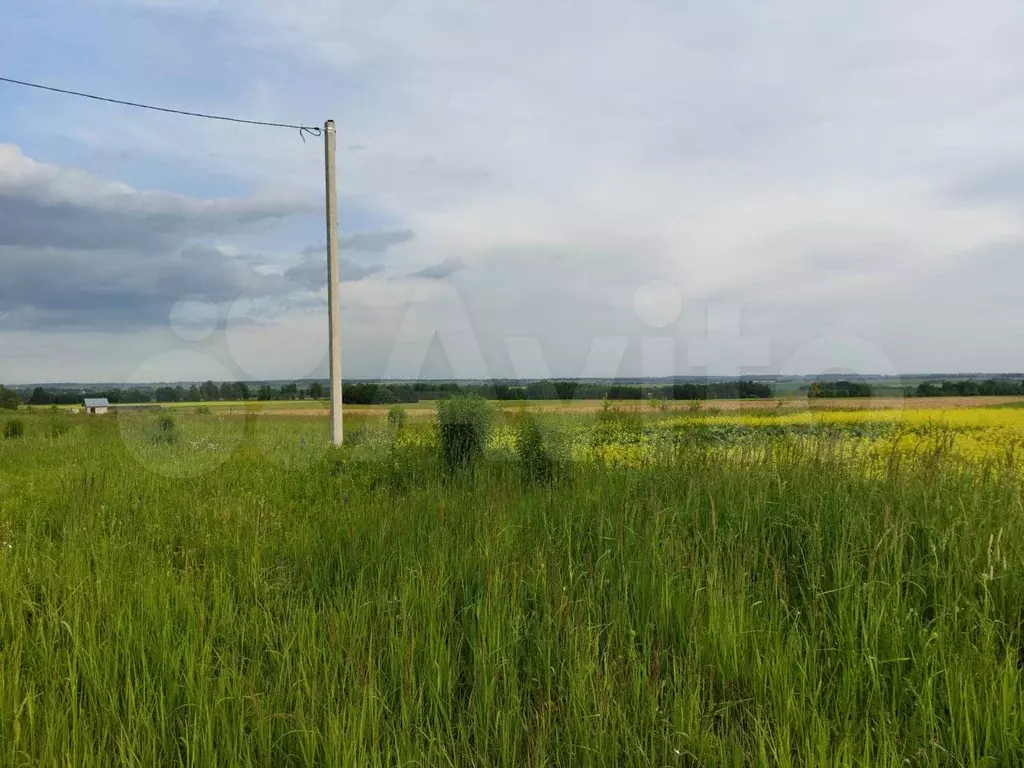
357 394
751 389
40 397
166 395
193 394
9 399
316 390
135 396
541 390
290 391
242 390
209 391
689 391
839 388
266 393
624 392
565 390
505 392
970 387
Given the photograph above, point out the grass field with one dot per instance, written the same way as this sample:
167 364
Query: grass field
790 402
773 588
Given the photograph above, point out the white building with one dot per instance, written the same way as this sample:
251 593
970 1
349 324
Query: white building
96 405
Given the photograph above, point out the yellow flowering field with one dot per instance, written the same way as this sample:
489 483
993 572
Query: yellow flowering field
624 437
981 435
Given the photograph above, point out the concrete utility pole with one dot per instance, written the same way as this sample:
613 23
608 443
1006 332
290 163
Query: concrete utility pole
333 284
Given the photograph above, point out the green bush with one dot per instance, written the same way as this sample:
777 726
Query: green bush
59 429
14 429
166 430
536 450
9 399
396 419
203 410
463 426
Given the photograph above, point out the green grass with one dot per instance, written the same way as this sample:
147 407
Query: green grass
246 596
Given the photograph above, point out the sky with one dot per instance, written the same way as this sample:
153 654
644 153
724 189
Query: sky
526 189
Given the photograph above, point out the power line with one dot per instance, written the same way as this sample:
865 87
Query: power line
302 129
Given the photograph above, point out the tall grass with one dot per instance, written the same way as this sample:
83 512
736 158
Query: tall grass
396 419
463 425
538 449
778 609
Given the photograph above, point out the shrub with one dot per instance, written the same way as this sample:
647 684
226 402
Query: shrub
463 426
14 429
203 410
396 419
9 399
166 430
59 429
535 449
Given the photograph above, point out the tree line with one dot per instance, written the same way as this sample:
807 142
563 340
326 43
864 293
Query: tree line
371 393
932 388
385 393
840 388
390 392
970 388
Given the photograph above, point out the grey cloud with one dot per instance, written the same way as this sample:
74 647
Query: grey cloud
441 270
30 222
819 263
45 206
81 254
311 272
374 242
993 272
1000 184
117 290
829 246
114 290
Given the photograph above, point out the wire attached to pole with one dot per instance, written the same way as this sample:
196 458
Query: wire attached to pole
312 130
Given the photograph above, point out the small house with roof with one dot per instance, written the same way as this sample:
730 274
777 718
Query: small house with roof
97 405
